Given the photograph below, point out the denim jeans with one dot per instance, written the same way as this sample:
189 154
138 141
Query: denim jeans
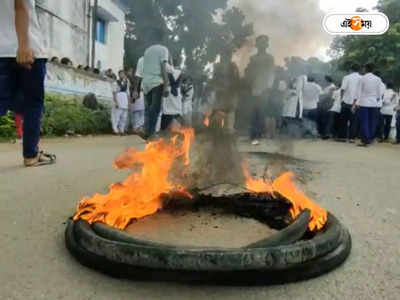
152 110
14 79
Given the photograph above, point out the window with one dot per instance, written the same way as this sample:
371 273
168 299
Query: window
101 27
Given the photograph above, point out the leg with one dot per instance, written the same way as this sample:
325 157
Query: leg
123 120
33 87
8 84
387 127
374 115
398 127
148 99
345 117
166 121
154 108
115 119
365 126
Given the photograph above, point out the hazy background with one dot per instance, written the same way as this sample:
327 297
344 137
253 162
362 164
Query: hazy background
294 27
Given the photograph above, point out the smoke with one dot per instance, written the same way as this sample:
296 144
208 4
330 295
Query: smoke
294 27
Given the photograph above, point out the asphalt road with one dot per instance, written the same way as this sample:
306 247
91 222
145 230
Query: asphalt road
360 186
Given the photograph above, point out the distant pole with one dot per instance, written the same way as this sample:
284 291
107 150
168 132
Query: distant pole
94 32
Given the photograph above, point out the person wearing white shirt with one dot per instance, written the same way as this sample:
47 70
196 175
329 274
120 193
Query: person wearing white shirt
155 81
187 90
370 94
349 97
332 126
120 110
390 101
311 93
23 70
172 105
137 105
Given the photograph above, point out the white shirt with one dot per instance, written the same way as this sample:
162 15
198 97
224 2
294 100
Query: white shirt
311 94
350 86
370 91
122 98
337 104
291 102
138 105
172 105
390 101
8 34
154 57
383 90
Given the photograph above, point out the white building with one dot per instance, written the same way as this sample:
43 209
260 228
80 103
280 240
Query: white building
68 31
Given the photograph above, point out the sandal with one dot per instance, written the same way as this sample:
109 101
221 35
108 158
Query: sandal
42 159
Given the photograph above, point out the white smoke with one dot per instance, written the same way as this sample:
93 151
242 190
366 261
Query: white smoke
293 26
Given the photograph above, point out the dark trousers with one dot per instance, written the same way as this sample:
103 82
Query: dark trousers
369 120
152 110
14 79
398 127
257 126
385 124
348 126
331 128
311 114
166 120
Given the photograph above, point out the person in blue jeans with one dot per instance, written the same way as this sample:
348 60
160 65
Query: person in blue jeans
23 69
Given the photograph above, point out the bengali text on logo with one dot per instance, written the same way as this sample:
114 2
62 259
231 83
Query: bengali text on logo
356 24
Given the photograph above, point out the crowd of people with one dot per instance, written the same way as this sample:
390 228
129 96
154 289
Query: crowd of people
363 107
157 97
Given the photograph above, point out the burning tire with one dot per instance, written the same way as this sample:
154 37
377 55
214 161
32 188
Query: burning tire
285 257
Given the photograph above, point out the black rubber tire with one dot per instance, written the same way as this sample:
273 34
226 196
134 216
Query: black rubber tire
195 259
290 234
296 272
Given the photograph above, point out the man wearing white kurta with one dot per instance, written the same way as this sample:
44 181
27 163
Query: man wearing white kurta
349 97
370 91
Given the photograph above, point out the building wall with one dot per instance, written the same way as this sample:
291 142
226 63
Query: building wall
67 29
111 54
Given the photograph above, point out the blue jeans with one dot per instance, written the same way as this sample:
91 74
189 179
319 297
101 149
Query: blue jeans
369 117
14 79
152 110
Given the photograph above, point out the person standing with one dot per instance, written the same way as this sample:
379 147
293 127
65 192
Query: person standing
349 89
370 91
172 105
23 68
397 114
119 112
137 105
311 93
187 91
155 81
390 101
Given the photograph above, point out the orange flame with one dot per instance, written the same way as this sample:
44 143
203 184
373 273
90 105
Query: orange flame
285 186
206 121
140 194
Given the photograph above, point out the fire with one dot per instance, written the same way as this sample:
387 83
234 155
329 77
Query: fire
140 194
285 186
206 121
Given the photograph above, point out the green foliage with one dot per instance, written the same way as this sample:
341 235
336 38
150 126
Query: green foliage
199 28
7 127
63 116
383 50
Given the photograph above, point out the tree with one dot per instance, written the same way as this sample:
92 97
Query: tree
382 50
196 28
